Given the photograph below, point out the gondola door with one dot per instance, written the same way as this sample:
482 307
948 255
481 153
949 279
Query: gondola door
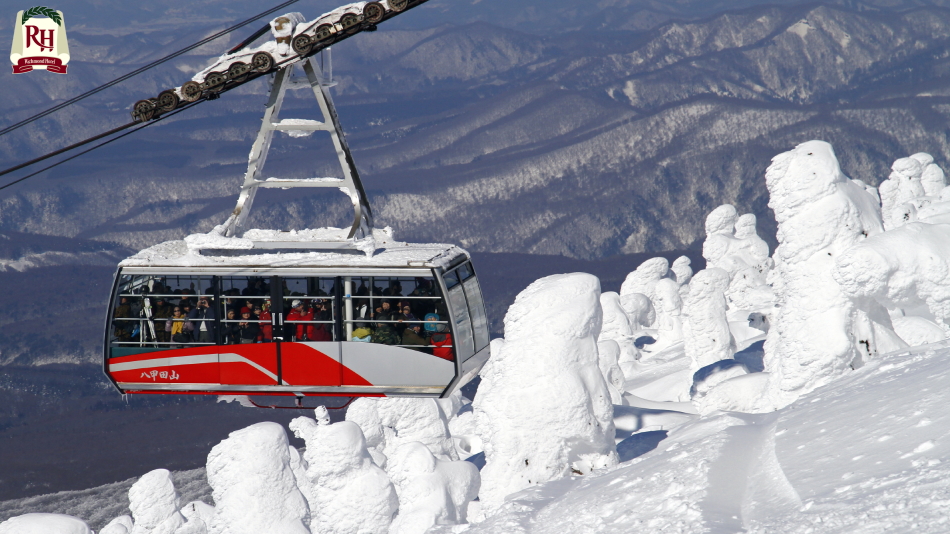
309 347
243 358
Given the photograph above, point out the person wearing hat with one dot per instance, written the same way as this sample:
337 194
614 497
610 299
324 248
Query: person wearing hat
247 327
161 312
298 313
386 329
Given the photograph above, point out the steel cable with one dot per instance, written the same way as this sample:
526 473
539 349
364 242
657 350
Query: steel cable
116 138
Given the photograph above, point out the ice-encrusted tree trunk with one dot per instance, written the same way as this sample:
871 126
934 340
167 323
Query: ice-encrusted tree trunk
543 409
198 515
349 493
932 178
906 267
154 503
720 234
639 310
616 326
820 214
390 422
733 245
609 353
253 484
902 186
643 280
431 491
708 339
682 274
669 316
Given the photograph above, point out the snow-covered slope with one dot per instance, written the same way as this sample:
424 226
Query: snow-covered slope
866 454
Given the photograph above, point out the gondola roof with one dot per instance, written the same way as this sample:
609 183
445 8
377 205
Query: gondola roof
267 249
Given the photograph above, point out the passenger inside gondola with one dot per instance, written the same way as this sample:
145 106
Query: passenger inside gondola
322 331
231 330
302 315
385 333
123 329
363 332
267 328
414 335
203 319
175 326
247 328
442 341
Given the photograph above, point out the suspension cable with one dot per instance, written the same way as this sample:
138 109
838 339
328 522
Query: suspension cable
74 156
70 147
140 70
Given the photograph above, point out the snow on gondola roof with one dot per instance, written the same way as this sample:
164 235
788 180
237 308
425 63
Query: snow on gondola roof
252 251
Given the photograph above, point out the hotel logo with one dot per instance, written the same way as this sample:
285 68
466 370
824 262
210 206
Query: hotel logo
39 41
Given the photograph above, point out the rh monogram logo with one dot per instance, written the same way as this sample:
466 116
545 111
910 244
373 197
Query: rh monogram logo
39 43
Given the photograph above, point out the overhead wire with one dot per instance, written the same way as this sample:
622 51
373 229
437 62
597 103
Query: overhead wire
140 70
70 147
100 145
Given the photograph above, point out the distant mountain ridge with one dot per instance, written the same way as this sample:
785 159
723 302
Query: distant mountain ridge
581 143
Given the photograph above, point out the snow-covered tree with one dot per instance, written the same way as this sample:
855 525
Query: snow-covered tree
644 279
609 361
543 409
349 494
616 327
708 338
820 214
669 313
198 515
431 491
639 309
733 245
154 503
253 485
389 422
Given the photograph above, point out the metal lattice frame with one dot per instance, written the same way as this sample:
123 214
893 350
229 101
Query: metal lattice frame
363 216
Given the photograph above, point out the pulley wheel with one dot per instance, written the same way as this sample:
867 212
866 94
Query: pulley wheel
143 110
238 71
301 44
373 12
167 101
190 91
348 20
215 81
398 5
262 61
322 32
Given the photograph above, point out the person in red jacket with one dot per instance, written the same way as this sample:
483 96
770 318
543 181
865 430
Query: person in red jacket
322 331
298 313
442 341
267 328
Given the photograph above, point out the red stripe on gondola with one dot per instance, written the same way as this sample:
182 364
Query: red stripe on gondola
302 365
253 364
241 373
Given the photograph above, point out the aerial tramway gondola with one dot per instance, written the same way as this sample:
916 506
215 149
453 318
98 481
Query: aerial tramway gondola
323 329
